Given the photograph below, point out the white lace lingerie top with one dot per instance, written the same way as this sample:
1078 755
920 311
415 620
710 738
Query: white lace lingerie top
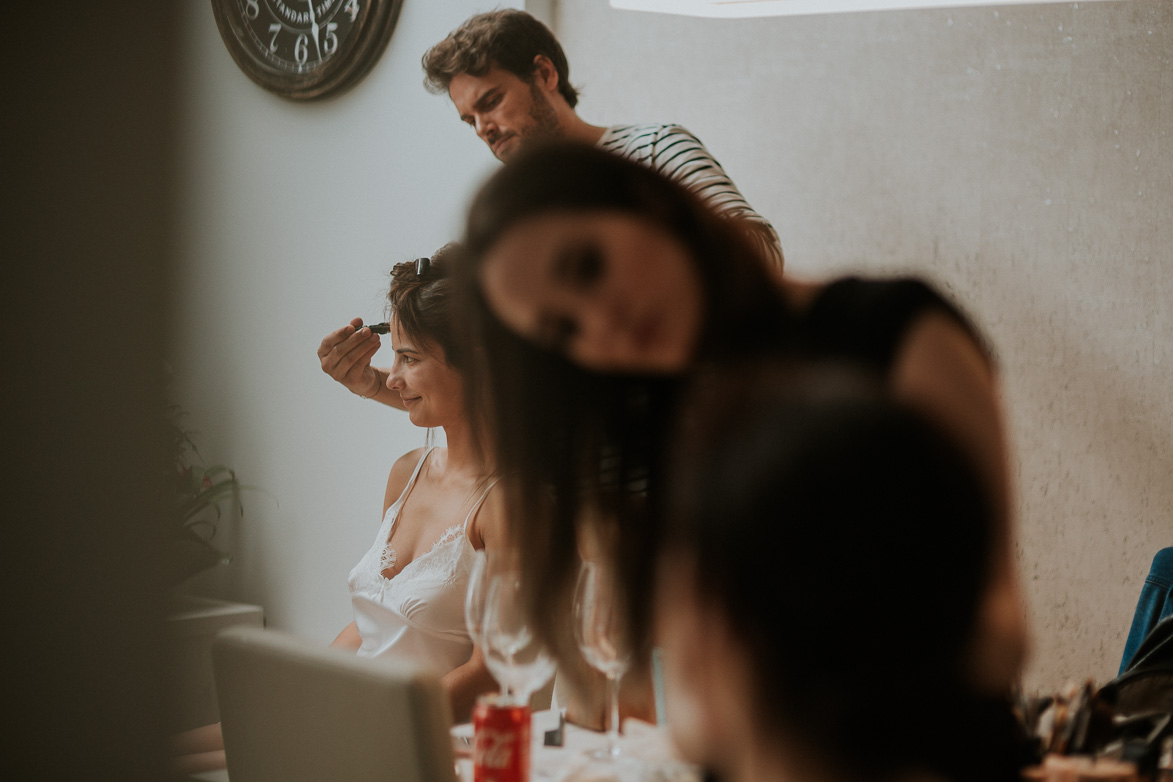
419 612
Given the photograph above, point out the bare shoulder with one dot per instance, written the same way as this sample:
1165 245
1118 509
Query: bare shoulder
798 293
939 351
399 476
942 371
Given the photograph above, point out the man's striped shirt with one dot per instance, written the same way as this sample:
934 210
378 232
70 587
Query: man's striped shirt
674 152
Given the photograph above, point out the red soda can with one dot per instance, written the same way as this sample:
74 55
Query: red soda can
501 741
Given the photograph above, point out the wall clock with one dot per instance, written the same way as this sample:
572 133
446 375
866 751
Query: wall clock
306 49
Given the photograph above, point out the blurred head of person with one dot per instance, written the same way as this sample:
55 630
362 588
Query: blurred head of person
615 267
824 556
593 284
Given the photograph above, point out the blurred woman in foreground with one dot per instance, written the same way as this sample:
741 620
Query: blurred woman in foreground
596 287
831 549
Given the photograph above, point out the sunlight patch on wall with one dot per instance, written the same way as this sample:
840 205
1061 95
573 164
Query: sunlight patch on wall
733 9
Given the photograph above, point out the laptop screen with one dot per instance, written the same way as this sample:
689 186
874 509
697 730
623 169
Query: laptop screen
293 711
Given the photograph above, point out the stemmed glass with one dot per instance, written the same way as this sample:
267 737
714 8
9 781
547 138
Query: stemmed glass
514 655
494 612
601 632
474 598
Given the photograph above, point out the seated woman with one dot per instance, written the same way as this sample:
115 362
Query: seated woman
826 554
597 287
408 590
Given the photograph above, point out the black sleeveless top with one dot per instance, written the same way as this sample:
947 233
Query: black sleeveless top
866 321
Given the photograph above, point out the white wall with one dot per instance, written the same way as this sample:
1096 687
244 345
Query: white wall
1022 157
293 215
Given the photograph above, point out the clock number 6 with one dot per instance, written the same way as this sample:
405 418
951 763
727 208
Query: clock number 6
301 50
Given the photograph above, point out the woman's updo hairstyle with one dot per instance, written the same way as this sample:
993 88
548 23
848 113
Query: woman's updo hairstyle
421 299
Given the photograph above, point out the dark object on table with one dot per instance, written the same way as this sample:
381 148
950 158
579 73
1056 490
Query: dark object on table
1144 693
1147 682
1073 722
1139 739
553 738
1126 719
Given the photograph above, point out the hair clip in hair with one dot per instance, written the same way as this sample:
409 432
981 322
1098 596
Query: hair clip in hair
421 267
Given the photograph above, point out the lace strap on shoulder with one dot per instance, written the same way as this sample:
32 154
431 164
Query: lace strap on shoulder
411 481
419 466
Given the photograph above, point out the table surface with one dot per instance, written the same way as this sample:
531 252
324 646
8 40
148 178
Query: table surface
647 755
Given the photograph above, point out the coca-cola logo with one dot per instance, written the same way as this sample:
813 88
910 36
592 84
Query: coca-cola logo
494 748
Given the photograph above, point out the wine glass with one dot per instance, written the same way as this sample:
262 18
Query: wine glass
601 632
519 662
474 597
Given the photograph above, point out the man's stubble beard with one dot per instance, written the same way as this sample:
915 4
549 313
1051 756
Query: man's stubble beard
543 125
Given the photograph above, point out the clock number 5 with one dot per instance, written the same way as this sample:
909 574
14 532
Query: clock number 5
330 45
352 8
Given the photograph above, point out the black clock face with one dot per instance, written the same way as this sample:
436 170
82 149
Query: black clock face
305 48
298 37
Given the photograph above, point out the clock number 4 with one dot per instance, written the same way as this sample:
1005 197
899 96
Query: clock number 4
352 9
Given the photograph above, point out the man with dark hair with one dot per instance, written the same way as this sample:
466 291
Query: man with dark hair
508 77
507 39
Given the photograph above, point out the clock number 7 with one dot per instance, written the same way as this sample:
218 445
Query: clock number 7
352 8
275 29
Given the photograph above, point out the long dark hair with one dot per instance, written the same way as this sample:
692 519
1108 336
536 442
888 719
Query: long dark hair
848 543
575 444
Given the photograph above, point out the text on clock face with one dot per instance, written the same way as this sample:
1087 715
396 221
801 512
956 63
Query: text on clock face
299 36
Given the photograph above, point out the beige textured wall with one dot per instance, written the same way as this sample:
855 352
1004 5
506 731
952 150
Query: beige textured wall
1022 158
